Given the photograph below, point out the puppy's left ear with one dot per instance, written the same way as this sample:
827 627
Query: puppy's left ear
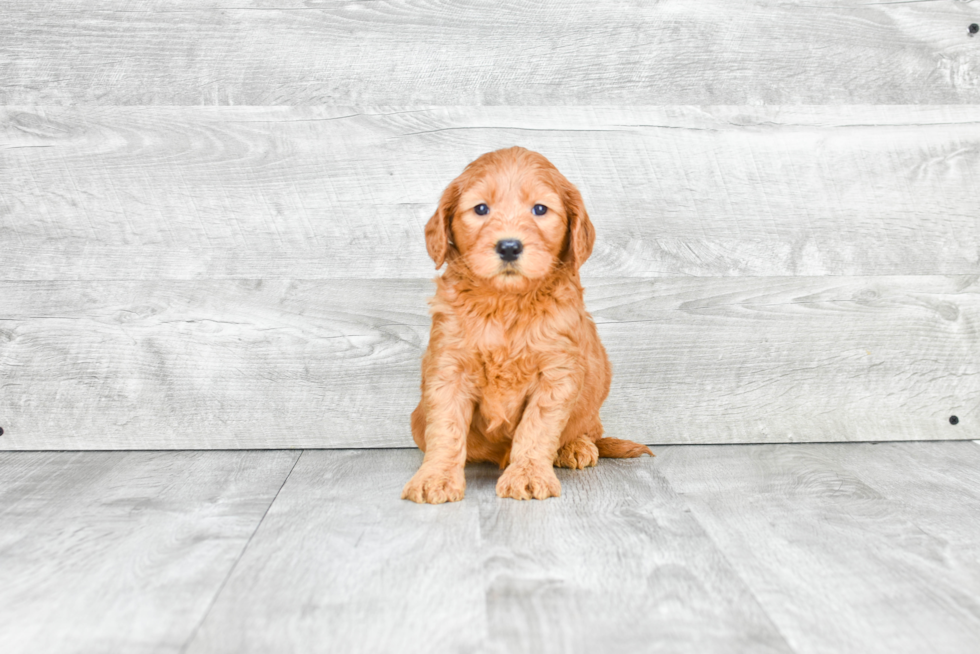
581 233
439 229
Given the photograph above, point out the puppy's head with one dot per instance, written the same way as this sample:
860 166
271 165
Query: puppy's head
511 218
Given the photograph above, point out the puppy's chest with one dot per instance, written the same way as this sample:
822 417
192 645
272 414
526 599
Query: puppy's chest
508 370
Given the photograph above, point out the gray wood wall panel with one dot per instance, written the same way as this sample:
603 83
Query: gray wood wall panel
159 257
335 363
204 193
123 551
241 52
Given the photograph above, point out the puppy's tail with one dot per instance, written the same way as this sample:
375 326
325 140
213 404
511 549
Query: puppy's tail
617 448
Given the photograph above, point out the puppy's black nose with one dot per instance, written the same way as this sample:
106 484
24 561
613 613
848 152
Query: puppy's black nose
509 249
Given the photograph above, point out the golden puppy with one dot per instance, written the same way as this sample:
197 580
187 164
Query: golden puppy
514 372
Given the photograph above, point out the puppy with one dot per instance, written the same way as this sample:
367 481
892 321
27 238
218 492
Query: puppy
514 372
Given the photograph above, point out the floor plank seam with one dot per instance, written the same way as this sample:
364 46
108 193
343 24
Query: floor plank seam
231 570
731 566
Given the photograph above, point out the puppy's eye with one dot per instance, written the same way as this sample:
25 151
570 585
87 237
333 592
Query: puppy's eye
540 210
481 209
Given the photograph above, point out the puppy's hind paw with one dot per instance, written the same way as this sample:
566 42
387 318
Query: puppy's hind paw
577 454
435 486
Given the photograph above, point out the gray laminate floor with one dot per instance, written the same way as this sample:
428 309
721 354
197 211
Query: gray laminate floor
754 548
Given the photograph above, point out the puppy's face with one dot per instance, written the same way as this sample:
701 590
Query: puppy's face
510 224
512 218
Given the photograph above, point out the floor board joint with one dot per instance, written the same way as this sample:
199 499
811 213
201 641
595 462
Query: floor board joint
231 569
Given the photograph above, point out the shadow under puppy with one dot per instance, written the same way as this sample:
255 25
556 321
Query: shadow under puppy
514 373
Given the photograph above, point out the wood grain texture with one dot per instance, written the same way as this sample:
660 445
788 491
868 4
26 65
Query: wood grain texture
262 52
790 548
941 485
849 548
281 193
123 551
616 564
335 363
341 564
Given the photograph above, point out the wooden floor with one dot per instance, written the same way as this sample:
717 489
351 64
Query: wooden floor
852 547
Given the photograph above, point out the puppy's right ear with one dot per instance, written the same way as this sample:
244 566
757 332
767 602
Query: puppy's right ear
439 229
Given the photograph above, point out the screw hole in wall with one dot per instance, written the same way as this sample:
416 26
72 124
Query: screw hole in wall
953 420
974 28
1 431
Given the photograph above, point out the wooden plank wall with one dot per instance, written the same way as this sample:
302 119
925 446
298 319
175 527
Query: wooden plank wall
785 196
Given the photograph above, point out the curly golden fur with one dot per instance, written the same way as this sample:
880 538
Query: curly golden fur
514 372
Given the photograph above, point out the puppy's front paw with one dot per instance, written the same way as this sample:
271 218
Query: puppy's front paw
435 485
527 482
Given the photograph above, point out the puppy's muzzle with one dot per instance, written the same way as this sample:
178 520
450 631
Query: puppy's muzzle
509 249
